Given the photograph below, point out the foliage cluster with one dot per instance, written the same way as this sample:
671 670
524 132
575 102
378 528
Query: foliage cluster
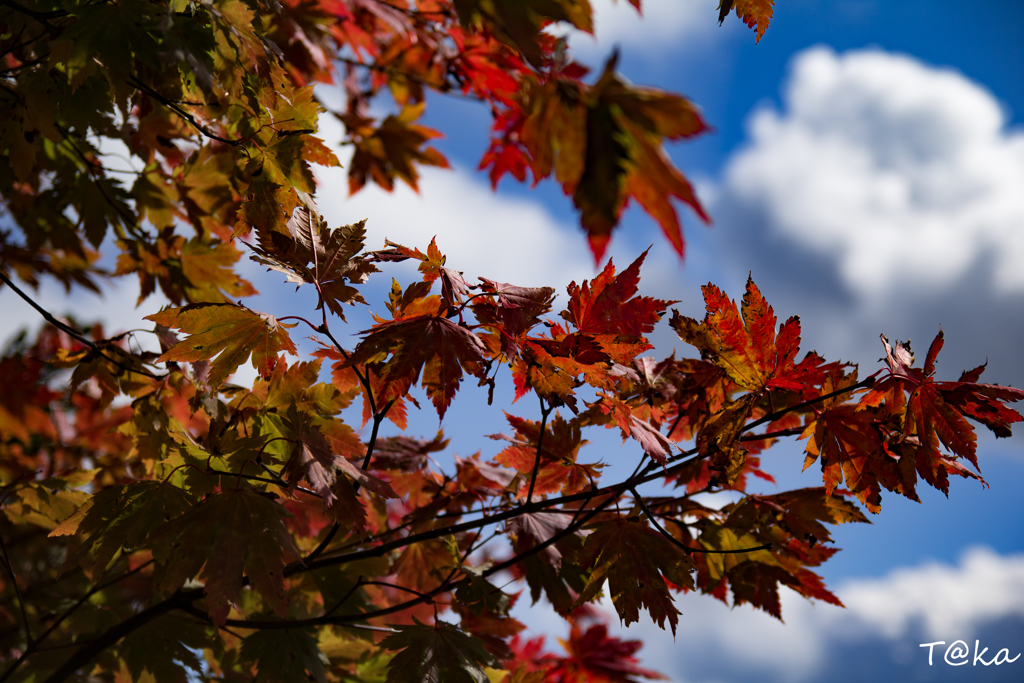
162 523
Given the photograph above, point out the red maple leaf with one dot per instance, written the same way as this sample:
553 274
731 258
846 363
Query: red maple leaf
747 347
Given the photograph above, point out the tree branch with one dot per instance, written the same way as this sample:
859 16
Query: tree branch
72 332
377 419
88 652
42 17
772 435
184 599
136 83
685 548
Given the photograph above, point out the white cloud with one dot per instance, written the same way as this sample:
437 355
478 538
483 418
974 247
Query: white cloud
482 233
663 23
934 601
902 172
948 602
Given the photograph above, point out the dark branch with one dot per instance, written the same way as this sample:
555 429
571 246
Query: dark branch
72 332
544 412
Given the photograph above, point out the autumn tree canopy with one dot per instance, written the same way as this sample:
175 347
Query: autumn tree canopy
162 523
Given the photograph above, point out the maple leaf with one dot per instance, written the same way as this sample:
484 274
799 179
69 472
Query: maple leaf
164 648
557 469
651 440
603 144
610 322
748 348
519 23
296 385
249 537
718 441
284 655
390 150
479 595
595 653
983 403
346 380
535 528
312 460
756 14
492 630
758 584
849 445
119 517
512 312
226 335
552 367
406 454
436 654
209 269
607 305
752 575
423 566
43 503
804 513
454 288
633 558
315 254
928 419
437 346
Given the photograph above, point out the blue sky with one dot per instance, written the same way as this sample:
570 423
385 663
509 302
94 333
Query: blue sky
867 167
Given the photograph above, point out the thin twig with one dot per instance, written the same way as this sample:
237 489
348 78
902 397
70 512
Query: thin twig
17 592
133 81
772 435
72 332
67 613
544 412
344 599
685 548
863 384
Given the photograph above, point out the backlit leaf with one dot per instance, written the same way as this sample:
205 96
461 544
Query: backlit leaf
249 538
226 335
635 560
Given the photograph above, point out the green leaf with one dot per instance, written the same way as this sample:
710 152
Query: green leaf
165 647
120 517
210 269
284 656
436 654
